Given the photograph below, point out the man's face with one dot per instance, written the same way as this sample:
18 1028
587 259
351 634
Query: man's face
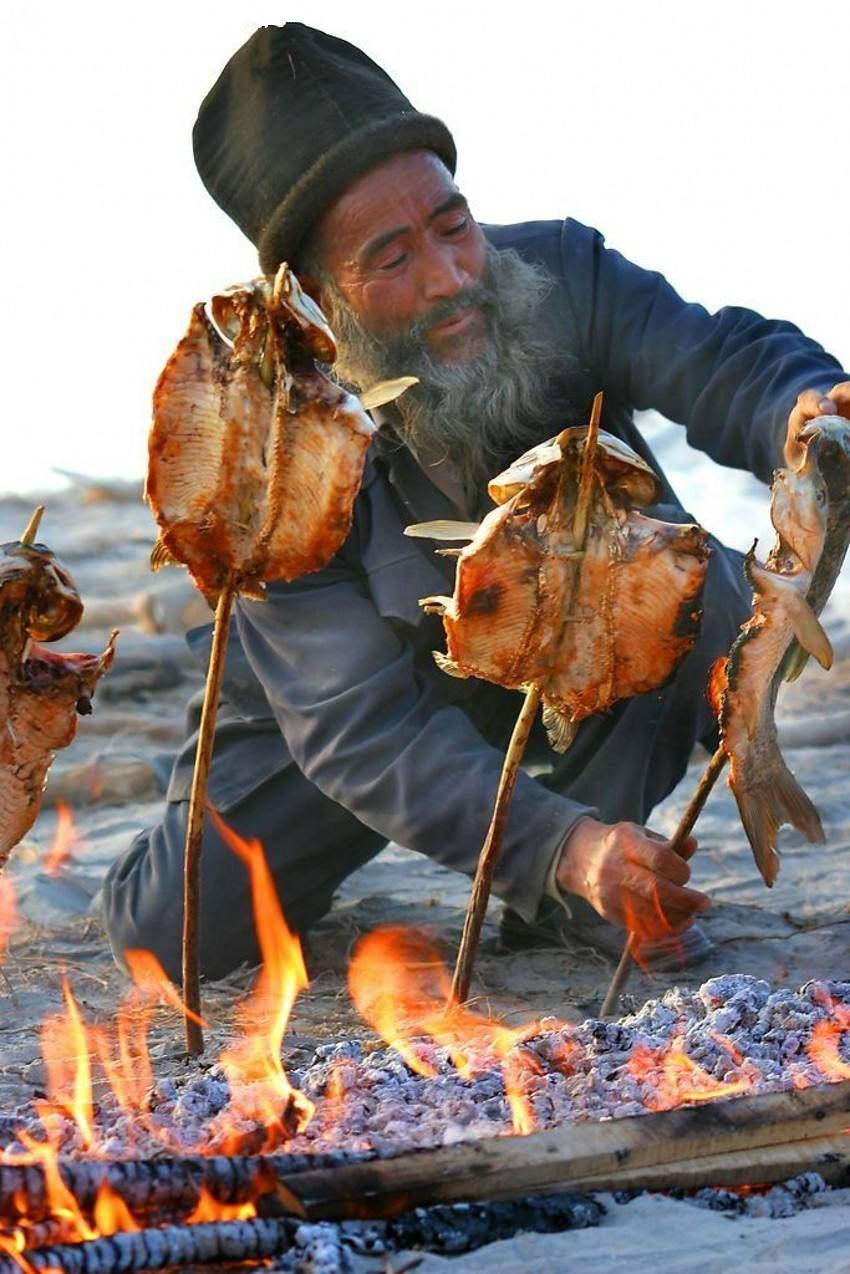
401 245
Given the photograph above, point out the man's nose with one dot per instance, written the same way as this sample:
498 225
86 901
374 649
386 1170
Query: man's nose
443 274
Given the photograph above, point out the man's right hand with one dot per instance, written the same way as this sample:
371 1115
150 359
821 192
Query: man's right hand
630 876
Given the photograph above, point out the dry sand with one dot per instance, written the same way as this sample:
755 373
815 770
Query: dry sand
114 776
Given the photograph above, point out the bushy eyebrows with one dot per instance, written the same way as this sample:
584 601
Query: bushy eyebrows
455 200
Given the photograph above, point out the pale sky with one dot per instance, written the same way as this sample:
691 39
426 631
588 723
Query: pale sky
709 141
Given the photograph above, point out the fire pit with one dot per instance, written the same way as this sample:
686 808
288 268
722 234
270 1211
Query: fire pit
121 1166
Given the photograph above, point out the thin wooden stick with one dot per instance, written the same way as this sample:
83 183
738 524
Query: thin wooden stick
195 825
686 825
31 531
487 859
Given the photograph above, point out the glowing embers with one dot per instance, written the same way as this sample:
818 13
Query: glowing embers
829 1044
672 1078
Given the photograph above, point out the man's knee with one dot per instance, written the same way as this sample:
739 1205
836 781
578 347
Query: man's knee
138 912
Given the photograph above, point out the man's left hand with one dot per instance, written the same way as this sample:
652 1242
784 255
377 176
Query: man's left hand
811 404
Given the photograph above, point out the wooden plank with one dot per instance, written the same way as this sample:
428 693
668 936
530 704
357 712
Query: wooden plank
764 1165
509 1167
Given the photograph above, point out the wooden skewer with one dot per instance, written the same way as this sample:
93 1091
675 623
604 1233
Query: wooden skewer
31 531
487 859
686 826
195 825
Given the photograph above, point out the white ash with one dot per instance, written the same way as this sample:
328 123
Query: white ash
733 1026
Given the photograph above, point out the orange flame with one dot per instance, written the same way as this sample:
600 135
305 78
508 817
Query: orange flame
675 1078
824 1045
65 1050
211 1209
401 987
259 1086
9 918
111 1214
65 840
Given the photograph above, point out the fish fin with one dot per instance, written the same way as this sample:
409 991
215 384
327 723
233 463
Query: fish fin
560 728
777 799
448 552
449 666
808 630
442 529
162 556
435 605
794 661
387 391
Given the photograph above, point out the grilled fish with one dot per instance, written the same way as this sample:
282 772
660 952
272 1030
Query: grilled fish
41 692
589 628
255 455
810 510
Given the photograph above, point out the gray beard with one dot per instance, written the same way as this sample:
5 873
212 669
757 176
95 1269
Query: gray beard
473 414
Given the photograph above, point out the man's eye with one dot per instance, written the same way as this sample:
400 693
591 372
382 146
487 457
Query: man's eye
457 226
394 262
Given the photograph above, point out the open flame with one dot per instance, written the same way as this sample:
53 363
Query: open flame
674 1078
260 1089
399 984
9 919
65 840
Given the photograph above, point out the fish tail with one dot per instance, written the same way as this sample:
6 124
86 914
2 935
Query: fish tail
776 800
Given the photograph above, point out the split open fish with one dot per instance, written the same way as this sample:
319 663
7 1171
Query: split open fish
255 455
42 692
589 628
810 511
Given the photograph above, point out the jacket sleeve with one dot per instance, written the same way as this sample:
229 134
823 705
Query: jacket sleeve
731 377
380 740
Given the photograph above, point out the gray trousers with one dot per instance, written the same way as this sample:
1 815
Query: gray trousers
311 845
622 762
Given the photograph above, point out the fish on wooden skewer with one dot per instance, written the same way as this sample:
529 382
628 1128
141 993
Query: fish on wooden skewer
255 455
810 510
255 460
634 605
42 692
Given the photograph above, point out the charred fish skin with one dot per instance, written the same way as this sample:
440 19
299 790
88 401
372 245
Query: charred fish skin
588 628
783 622
255 455
41 691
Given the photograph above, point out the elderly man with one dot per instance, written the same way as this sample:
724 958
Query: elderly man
337 732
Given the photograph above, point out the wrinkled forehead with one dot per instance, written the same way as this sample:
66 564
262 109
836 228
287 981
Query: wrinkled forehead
400 194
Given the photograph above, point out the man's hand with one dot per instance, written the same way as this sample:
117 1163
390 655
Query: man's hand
631 876
810 404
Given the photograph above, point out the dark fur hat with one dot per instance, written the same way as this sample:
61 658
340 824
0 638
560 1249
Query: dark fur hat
294 118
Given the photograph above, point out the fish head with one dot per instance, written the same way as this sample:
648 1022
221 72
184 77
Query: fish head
239 316
300 314
39 590
799 508
828 445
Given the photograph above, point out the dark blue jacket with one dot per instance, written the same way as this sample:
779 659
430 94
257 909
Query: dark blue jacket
341 659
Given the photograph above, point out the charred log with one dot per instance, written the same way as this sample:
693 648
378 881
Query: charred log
156 1185
156 1249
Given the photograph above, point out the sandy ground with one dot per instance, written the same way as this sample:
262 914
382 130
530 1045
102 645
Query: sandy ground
114 774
